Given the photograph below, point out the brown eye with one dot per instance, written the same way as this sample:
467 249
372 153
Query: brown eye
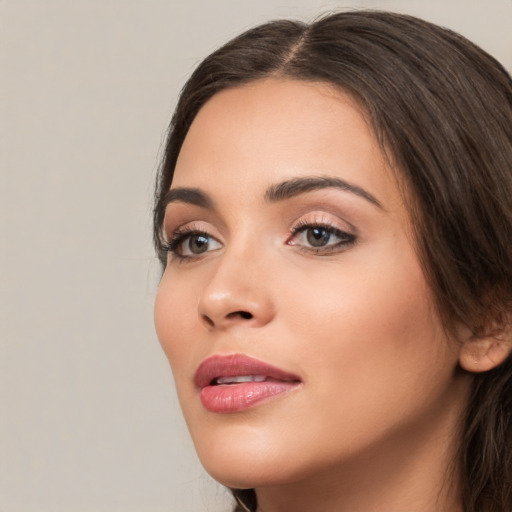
198 244
321 238
318 236
193 244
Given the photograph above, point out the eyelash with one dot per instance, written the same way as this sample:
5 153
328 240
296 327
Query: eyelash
346 239
180 235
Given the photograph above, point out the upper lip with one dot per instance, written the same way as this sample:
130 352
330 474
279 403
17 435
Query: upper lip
237 365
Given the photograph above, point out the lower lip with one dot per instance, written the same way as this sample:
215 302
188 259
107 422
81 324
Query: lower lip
226 398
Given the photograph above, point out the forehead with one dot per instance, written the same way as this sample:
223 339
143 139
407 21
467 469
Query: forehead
248 137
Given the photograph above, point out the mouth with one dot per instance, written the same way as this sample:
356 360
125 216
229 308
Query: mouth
234 383
239 379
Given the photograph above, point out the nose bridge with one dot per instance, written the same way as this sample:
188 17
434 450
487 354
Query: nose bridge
239 290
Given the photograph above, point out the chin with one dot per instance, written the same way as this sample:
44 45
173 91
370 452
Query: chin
238 464
246 458
240 475
258 447
247 473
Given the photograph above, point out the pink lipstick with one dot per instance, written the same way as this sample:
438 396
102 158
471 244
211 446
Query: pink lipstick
236 382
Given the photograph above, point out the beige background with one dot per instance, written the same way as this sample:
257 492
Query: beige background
88 416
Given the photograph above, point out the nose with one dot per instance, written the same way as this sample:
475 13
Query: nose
238 294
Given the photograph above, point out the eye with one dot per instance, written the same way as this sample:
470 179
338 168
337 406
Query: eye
197 244
320 237
190 243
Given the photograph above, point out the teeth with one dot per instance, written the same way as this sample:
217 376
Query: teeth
240 378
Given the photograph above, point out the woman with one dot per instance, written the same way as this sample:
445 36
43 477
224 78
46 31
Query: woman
334 217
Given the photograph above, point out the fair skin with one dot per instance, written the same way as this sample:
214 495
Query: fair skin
370 422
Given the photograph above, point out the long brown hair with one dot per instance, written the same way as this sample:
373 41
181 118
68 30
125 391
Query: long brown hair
442 110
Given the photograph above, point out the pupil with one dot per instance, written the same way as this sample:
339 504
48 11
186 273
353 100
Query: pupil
318 237
198 244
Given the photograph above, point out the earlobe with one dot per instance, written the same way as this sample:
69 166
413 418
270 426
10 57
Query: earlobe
481 354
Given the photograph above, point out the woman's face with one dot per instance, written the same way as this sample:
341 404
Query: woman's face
293 274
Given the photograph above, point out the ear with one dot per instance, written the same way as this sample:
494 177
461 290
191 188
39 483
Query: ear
480 354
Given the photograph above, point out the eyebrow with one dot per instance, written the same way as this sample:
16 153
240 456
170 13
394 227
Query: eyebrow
277 192
296 186
193 196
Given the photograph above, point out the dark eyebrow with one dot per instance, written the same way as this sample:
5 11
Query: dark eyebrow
296 186
278 192
193 196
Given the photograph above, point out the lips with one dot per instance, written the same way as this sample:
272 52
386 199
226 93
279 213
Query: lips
236 382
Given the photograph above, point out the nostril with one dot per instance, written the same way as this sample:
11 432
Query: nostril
208 320
242 314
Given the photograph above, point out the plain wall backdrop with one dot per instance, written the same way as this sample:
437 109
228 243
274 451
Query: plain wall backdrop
89 420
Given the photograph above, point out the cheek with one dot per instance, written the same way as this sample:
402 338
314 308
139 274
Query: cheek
372 328
374 356
174 317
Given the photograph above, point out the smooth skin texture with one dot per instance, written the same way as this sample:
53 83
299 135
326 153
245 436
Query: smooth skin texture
373 424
